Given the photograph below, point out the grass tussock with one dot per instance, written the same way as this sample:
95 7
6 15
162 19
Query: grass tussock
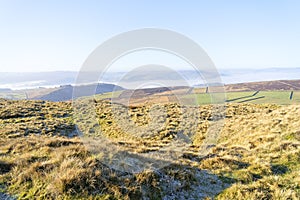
257 154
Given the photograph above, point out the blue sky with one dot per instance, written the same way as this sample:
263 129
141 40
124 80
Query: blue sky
53 35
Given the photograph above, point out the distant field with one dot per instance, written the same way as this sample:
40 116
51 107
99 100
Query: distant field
108 95
276 97
272 97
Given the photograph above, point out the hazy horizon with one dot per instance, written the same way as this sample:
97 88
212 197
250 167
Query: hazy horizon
21 80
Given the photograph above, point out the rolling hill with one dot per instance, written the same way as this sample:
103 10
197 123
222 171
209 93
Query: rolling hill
264 86
65 93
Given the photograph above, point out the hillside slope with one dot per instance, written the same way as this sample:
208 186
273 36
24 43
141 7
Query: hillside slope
264 86
257 155
65 93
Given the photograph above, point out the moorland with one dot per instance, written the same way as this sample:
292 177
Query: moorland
256 155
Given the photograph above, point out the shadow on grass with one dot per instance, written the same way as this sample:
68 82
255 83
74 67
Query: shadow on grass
5 167
95 179
247 100
173 181
243 97
83 176
279 169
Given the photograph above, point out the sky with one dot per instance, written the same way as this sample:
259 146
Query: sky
57 35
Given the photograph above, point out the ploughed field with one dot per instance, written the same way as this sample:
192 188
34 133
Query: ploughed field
256 155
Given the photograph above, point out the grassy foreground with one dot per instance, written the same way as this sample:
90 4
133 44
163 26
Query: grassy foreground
257 155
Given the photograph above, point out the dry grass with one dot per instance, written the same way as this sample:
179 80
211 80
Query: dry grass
257 155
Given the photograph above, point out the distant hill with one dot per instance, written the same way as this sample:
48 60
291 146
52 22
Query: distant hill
65 93
264 85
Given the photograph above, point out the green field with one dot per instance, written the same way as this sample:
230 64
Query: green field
273 97
276 97
108 95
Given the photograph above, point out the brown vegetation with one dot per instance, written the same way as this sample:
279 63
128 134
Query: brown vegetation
257 155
